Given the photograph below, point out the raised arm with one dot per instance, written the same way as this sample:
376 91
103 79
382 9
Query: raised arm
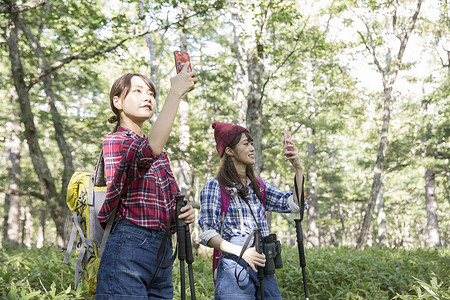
182 83
292 155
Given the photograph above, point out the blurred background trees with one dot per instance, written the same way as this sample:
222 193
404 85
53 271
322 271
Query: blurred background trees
363 87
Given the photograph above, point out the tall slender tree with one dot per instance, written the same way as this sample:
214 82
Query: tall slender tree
27 74
58 124
256 20
388 65
435 134
11 224
18 72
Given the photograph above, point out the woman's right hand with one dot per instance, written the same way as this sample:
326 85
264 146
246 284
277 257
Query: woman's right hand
250 255
254 258
183 82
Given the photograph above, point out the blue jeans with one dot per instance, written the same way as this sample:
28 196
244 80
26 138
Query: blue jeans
129 268
245 287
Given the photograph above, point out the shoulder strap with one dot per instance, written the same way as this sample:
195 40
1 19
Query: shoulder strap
263 190
225 199
99 177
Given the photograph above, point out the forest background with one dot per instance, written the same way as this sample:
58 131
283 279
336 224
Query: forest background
363 86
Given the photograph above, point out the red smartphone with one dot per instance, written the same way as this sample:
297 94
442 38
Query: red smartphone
288 138
182 58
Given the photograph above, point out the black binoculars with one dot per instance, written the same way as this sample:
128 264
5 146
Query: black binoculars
272 250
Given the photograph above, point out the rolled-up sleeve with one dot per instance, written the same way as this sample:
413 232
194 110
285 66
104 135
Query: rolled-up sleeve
209 220
127 156
280 201
126 159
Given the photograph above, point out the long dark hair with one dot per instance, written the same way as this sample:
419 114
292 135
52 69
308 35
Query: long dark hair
121 88
228 175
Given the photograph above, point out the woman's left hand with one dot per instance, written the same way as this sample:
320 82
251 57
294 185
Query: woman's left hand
187 213
291 153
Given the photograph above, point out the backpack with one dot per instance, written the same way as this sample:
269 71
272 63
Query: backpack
86 193
225 199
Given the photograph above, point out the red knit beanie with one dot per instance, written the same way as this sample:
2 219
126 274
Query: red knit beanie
225 133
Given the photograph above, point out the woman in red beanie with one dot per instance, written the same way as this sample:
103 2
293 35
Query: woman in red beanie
228 231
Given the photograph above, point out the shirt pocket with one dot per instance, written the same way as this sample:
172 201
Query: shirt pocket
164 179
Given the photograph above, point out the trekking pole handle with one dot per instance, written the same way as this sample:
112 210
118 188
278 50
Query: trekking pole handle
258 240
259 249
180 202
181 227
301 249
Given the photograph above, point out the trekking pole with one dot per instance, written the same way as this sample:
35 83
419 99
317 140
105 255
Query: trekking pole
184 249
190 260
298 228
258 248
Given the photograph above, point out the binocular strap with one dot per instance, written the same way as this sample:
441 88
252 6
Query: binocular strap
247 241
163 246
244 247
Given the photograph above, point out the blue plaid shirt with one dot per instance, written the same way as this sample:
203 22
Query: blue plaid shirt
210 219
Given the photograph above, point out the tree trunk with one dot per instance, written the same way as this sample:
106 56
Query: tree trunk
336 212
39 163
434 239
34 42
63 149
241 81
332 239
254 49
254 103
11 229
381 219
378 171
341 219
313 229
154 60
27 226
389 75
40 240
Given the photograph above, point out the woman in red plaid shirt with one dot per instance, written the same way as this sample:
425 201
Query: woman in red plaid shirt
140 180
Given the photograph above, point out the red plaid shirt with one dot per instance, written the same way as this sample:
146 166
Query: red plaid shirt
143 181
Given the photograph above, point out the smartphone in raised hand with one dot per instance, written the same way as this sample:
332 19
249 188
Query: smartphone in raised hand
182 58
288 140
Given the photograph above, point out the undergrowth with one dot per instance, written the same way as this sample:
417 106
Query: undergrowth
331 273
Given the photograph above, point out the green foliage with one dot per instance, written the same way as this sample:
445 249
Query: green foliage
332 273
432 290
36 274
204 287
375 273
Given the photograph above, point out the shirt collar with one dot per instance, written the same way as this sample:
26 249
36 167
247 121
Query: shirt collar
134 135
129 132
239 185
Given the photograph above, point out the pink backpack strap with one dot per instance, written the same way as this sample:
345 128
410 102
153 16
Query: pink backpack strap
225 199
262 187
